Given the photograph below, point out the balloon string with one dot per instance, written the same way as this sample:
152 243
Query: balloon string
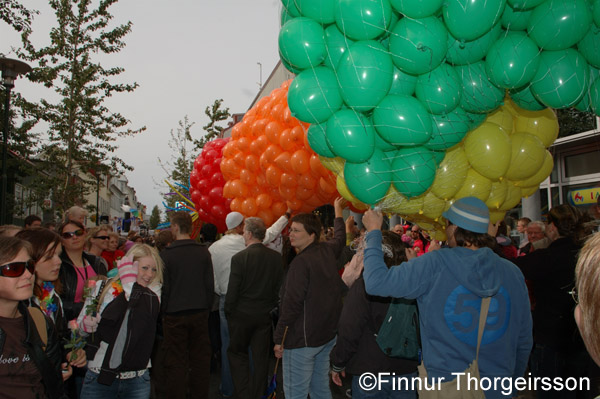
181 195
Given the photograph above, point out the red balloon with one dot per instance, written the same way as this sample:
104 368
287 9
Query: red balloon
194 177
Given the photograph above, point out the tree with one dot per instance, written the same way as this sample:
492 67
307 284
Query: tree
215 114
81 129
572 121
154 217
16 15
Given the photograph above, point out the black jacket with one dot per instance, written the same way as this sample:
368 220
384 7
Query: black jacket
68 279
551 272
312 301
48 362
356 349
188 282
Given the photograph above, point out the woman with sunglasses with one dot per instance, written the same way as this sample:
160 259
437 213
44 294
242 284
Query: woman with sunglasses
77 267
45 250
122 331
29 368
97 241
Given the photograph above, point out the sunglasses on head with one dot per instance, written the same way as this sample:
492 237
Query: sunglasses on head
16 269
72 234
102 237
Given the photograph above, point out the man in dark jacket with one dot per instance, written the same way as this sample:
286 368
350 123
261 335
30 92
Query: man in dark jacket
186 302
256 274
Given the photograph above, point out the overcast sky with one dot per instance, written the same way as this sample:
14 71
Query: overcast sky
184 55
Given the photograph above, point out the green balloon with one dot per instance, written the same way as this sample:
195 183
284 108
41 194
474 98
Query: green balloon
479 94
365 75
562 78
559 24
351 135
314 95
512 60
417 8
475 119
380 142
363 19
302 43
336 44
470 19
596 12
525 99
369 181
585 104
285 16
413 170
515 19
463 53
403 83
317 140
322 11
589 47
524 4
290 6
402 120
595 97
449 129
288 66
439 90
418 45
439 156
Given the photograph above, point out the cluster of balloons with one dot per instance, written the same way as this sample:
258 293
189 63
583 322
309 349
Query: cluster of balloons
269 166
206 185
390 85
499 162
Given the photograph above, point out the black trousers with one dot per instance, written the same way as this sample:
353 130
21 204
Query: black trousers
249 332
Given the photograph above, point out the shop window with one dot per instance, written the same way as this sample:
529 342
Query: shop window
582 164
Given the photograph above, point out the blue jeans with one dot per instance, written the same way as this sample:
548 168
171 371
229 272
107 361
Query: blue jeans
306 371
226 386
388 389
131 388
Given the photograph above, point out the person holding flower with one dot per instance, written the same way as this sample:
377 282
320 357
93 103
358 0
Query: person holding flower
45 251
119 319
31 351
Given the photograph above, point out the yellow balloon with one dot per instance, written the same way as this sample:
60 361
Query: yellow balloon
540 175
451 174
542 124
513 197
475 186
336 165
395 202
488 149
496 216
439 235
497 194
528 153
433 206
527 191
503 118
511 107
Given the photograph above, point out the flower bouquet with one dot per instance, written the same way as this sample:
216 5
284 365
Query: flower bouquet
76 342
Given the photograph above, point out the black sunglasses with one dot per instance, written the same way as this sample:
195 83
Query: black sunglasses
16 269
102 237
71 234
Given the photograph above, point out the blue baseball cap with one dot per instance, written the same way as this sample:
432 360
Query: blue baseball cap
469 213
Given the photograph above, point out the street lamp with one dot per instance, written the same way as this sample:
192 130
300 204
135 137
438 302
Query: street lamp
10 70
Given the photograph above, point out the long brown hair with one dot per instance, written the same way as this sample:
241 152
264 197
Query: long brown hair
43 242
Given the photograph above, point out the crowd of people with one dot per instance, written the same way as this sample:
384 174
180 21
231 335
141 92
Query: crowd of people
86 313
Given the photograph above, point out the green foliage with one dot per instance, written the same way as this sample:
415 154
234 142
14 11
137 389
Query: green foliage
16 15
154 217
215 114
572 121
81 130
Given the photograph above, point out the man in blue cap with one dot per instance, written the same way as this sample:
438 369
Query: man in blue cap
449 285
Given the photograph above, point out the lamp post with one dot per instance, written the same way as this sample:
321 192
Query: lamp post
10 70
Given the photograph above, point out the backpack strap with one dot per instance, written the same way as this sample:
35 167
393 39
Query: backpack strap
485 306
40 324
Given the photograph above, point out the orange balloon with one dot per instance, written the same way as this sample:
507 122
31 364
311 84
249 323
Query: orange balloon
295 204
237 131
243 143
230 169
264 201
247 177
266 215
236 205
258 146
238 188
230 149
249 207
283 161
272 152
286 140
254 190
258 128
315 201
287 193
288 118
252 163
303 193
261 180
326 186
297 135
277 113
288 180
273 175
316 167
264 162
240 159
273 131
300 162
278 208
307 181
278 95
227 190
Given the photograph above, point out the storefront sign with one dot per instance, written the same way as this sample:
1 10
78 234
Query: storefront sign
585 196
